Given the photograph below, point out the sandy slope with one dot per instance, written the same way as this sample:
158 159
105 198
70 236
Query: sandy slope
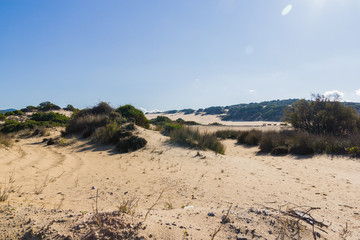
54 177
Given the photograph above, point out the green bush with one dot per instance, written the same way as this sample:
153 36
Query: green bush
50 117
195 139
322 116
130 112
160 120
130 144
2 117
169 127
9 114
71 108
48 106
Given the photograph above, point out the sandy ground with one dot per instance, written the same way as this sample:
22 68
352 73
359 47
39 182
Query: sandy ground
209 119
54 183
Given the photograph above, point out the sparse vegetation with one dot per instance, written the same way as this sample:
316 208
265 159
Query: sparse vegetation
5 140
37 120
195 139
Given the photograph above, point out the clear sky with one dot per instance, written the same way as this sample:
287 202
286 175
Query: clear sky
167 54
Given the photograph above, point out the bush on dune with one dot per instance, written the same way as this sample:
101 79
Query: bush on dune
5 140
195 139
130 112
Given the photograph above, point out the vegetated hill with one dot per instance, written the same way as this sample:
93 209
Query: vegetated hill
263 111
7 110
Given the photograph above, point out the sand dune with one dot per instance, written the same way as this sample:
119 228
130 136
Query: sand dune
54 177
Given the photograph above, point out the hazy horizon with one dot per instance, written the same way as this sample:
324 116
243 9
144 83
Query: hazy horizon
175 55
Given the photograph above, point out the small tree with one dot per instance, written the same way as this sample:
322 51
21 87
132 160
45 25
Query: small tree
322 116
47 106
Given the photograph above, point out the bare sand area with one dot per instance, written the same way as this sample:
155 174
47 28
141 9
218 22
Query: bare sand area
55 189
209 119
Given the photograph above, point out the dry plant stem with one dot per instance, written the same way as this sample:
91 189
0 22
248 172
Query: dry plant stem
221 223
155 203
8 188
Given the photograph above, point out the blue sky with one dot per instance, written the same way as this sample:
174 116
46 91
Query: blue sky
163 54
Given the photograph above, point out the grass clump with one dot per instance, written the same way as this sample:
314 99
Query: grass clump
5 140
227 134
195 139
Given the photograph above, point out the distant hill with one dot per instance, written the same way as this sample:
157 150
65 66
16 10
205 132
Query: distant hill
263 111
7 110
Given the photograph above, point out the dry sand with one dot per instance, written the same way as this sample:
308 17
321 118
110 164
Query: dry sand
67 179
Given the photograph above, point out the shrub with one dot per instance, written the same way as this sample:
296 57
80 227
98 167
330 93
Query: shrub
71 108
130 144
160 120
169 127
48 106
281 150
106 134
253 137
9 113
2 117
195 139
29 109
354 151
50 117
241 137
128 111
86 123
322 116
270 140
102 108
227 134
5 140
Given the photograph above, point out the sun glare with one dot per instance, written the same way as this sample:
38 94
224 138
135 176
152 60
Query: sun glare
286 10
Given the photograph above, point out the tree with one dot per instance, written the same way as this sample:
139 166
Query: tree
322 116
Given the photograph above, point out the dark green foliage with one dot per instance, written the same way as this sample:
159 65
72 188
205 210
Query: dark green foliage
160 120
130 144
322 116
16 113
195 139
215 124
171 111
30 109
2 117
180 120
263 111
187 111
128 111
50 117
70 107
48 106
169 127
37 120
9 113
191 123
214 110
